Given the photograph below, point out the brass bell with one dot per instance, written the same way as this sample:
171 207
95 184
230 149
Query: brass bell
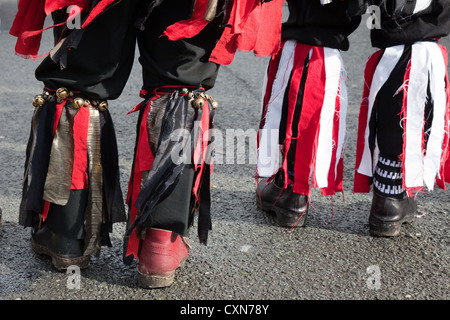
38 101
214 104
184 91
62 93
78 103
102 106
198 102
87 103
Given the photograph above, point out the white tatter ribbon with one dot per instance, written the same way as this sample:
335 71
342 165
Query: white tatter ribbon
327 146
427 68
269 149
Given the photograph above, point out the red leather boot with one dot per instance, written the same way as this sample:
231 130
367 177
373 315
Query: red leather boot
160 254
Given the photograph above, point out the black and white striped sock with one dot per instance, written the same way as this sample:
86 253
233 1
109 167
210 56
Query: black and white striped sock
387 179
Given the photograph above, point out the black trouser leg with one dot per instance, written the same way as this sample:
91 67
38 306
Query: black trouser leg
61 236
68 220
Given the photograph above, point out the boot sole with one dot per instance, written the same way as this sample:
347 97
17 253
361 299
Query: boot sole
281 214
148 281
152 282
390 229
59 262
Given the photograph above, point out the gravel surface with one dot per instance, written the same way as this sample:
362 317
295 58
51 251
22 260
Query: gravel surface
248 257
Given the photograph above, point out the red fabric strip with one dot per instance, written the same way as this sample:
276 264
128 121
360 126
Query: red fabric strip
44 213
445 165
143 161
252 26
313 97
301 52
80 178
333 181
261 29
144 153
99 8
29 21
340 176
59 109
137 108
361 182
190 27
135 185
53 5
30 17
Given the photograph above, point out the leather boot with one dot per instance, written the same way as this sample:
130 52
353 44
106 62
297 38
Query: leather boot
64 251
160 254
388 214
60 236
290 208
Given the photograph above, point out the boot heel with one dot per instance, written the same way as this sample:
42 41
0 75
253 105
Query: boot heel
161 253
152 282
385 229
288 219
60 263
387 215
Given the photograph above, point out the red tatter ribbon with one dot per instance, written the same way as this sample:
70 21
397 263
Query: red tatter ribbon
143 161
314 94
251 26
301 52
201 148
44 213
59 109
99 8
190 27
29 21
80 178
445 167
30 17
362 182
255 26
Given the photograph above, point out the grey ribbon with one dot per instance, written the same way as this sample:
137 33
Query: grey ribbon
59 176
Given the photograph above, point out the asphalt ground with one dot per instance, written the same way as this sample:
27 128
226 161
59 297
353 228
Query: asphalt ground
248 256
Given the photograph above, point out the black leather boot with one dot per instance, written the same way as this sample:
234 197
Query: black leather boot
61 235
64 251
290 208
388 214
